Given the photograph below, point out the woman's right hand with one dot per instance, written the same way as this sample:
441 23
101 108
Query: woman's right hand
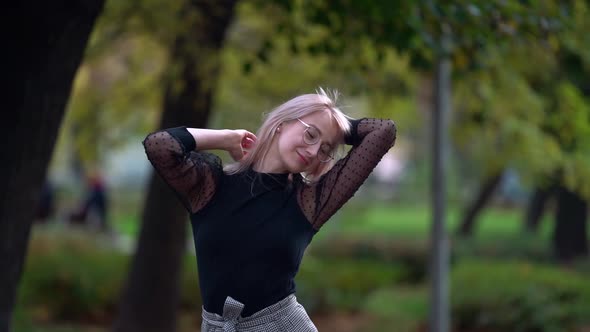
243 141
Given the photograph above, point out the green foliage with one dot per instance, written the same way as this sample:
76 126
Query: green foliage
68 276
416 27
500 121
409 255
75 275
509 59
119 88
529 107
518 297
117 91
242 99
494 296
285 71
155 18
114 97
342 284
571 123
404 307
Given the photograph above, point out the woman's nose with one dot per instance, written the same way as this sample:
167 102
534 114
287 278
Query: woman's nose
312 150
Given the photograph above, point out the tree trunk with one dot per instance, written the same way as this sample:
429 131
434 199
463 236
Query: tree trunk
43 61
570 238
151 295
536 208
476 207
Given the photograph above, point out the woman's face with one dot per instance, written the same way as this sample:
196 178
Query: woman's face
301 144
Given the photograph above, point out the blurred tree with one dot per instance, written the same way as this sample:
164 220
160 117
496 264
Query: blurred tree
284 73
150 297
535 207
115 96
531 108
412 28
431 33
44 60
491 129
482 197
569 121
117 91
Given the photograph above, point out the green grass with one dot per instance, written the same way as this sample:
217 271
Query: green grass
126 225
363 226
416 220
405 307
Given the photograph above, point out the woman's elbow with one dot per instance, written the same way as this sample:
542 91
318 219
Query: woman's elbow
391 132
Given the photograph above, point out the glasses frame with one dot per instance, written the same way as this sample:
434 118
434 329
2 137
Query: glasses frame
307 127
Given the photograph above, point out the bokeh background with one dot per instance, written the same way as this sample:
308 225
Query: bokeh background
109 248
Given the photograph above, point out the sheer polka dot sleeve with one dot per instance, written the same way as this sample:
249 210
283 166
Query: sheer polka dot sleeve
193 175
370 140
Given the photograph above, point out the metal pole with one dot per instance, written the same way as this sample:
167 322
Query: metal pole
439 250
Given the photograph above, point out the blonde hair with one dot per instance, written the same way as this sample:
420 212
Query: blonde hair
295 108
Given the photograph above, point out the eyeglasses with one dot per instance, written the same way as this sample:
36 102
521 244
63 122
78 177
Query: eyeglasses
311 136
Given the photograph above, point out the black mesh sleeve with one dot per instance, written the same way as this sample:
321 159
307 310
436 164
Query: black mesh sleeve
193 175
371 139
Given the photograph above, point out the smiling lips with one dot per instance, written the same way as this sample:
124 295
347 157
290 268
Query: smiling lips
305 161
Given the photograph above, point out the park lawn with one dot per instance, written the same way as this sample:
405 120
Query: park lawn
127 224
415 221
406 228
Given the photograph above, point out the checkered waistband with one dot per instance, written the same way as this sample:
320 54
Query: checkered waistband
231 321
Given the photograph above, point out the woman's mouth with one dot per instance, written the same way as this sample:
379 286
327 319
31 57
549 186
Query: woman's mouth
303 159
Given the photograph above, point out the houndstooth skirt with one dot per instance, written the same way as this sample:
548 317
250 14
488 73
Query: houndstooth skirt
286 315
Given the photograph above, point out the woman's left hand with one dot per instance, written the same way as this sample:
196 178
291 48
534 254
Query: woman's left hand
245 141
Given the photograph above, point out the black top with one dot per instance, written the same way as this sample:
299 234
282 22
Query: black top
251 229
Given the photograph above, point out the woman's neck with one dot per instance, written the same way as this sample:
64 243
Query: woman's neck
270 162
268 165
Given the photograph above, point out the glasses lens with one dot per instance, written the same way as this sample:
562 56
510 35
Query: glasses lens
325 154
311 136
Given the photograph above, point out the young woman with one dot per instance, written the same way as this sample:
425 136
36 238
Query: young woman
253 220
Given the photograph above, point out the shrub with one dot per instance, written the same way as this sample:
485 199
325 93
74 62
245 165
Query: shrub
406 308
521 246
329 284
75 275
409 255
68 276
516 296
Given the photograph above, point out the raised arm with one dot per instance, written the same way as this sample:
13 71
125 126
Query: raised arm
370 140
192 174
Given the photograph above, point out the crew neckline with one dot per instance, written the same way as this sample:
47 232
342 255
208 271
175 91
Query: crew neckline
269 180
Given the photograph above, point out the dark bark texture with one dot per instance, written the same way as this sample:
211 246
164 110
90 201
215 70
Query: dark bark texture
570 239
478 204
44 52
536 208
